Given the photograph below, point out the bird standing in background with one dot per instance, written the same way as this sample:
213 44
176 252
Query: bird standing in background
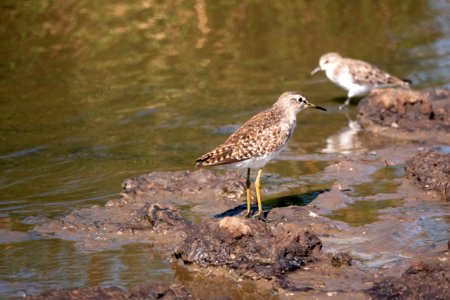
356 76
259 140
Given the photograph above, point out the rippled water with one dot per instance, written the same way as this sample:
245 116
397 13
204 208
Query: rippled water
93 92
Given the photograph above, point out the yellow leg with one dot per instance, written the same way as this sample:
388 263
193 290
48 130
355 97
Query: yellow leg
258 193
247 189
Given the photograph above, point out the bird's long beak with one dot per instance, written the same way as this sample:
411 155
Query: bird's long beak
316 70
316 106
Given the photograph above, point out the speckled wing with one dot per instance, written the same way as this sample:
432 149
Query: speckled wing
367 74
260 135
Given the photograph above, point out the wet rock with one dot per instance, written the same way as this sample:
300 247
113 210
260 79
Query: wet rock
430 170
149 291
251 248
404 112
341 259
420 281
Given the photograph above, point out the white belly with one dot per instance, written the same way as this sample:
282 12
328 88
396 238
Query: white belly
256 162
345 80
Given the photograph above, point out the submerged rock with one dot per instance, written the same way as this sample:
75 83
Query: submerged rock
406 113
251 248
420 281
148 291
431 170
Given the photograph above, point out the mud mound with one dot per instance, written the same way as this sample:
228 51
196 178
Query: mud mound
430 170
146 210
97 226
250 247
405 110
149 291
420 281
183 186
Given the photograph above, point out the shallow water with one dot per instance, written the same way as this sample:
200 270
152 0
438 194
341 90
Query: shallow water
93 92
363 212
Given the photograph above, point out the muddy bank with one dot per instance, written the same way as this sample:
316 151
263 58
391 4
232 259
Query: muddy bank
280 257
145 212
407 114
422 280
149 291
370 222
251 248
431 171
199 188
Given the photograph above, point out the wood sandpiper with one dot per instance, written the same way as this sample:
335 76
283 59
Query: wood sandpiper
259 140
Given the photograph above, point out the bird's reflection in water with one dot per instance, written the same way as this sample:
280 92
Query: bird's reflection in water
345 141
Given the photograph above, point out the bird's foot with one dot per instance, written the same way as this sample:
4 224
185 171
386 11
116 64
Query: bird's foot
345 105
260 216
341 107
246 214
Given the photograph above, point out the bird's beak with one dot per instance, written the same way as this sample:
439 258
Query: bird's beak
316 106
316 70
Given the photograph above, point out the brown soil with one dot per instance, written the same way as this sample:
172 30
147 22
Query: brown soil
190 187
422 280
431 170
407 114
249 247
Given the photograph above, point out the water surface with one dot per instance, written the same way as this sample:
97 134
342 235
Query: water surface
93 92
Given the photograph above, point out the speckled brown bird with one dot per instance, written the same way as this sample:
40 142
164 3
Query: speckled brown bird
259 140
356 76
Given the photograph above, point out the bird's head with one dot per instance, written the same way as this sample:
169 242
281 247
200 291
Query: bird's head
327 60
294 101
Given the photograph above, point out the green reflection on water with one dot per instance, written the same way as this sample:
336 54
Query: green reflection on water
361 213
382 182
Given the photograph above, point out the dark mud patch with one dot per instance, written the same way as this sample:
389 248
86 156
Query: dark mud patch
407 114
422 280
149 291
430 170
251 248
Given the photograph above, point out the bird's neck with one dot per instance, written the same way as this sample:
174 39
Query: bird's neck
288 117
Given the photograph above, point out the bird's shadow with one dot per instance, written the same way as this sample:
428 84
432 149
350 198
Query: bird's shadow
268 205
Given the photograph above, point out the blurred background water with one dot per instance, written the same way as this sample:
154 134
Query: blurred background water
93 92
